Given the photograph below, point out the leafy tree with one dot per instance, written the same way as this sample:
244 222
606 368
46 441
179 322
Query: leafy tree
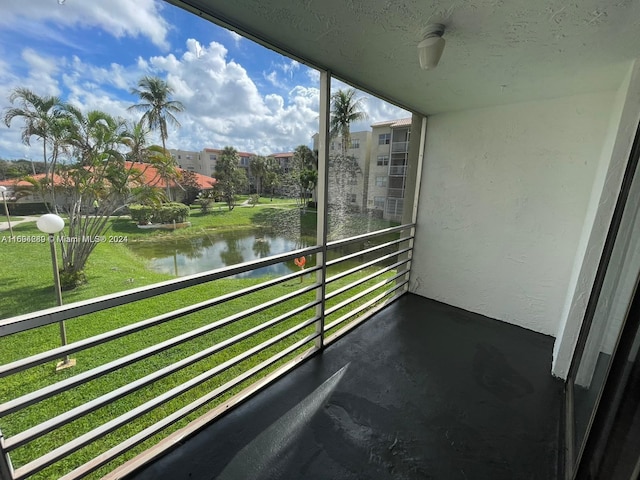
94 147
344 168
157 106
345 109
137 142
97 142
258 170
231 178
38 113
166 166
19 168
304 174
191 187
273 175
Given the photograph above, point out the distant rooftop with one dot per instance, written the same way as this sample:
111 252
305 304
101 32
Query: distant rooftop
403 122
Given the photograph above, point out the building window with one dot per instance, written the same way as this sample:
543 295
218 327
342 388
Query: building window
333 145
384 139
355 143
179 156
381 181
191 168
244 161
378 202
383 160
213 157
351 198
188 157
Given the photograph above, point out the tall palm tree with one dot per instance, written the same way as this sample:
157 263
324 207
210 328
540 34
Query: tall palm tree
345 109
165 165
157 106
258 170
137 142
38 113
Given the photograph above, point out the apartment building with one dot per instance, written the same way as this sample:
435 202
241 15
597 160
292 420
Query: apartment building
205 161
388 167
382 155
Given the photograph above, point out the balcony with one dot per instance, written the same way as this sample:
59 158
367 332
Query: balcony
421 390
400 147
182 358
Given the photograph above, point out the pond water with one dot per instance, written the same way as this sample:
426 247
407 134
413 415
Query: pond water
187 256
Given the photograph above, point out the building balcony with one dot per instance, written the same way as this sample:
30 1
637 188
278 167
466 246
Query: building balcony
400 147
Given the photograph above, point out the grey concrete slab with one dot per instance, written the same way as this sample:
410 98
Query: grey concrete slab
422 390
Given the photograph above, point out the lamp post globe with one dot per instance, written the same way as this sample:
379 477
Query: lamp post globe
50 223
3 189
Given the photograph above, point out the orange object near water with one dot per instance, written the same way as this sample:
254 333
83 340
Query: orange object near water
300 261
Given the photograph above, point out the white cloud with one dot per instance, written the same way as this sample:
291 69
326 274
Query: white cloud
237 38
223 104
117 17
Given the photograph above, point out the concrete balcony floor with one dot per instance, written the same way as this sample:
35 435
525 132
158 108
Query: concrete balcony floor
429 392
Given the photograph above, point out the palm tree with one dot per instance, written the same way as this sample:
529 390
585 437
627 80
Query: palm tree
258 170
38 114
166 166
157 107
137 142
345 109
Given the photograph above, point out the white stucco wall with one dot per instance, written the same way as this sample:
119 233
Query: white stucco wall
623 122
504 196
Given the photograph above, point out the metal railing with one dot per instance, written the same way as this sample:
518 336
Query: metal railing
400 147
200 357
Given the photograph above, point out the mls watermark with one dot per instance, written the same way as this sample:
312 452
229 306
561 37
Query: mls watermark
65 239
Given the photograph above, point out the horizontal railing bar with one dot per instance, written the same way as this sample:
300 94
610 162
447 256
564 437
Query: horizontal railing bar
84 377
40 358
106 428
362 307
28 321
37 431
329 339
364 293
366 236
366 251
365 279
350 271
140 437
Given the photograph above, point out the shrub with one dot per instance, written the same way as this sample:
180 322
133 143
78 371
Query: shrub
165 213
70 279
142 214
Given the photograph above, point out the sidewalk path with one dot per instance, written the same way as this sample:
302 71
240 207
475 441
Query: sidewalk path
5 225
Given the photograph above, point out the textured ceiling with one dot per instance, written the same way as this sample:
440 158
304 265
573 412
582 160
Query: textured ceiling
497 51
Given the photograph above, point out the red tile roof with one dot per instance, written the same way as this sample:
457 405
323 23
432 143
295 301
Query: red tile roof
149 175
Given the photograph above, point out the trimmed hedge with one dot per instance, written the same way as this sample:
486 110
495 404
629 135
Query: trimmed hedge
164 213
21 209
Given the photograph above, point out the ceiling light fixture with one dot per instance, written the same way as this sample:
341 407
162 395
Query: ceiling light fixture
431 47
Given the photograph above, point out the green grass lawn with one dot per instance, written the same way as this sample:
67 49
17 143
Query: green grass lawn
113 268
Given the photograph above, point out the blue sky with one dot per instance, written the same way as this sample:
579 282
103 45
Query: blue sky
91 53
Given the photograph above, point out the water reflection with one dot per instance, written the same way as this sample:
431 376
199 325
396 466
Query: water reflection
182 257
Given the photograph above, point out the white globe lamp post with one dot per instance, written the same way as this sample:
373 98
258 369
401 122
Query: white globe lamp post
3 189
52 224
